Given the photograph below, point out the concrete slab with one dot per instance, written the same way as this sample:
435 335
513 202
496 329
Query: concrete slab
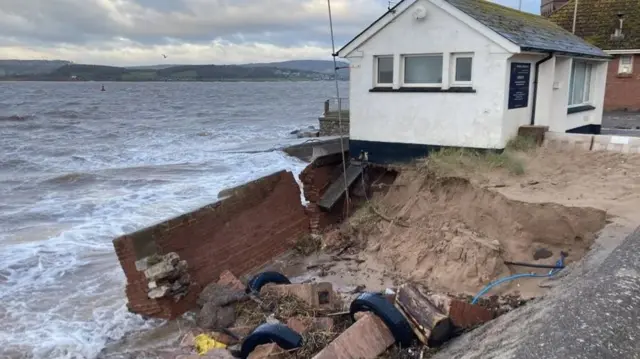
318 147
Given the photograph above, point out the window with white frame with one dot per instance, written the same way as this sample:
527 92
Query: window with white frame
625 66
384 70
422 70
462 65
580 83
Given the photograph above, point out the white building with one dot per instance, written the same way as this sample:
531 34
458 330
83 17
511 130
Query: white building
462 73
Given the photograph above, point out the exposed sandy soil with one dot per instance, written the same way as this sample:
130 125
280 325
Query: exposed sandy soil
454 232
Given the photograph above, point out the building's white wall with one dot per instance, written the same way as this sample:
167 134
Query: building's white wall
517 117
557 122
444 119
546 93
560 120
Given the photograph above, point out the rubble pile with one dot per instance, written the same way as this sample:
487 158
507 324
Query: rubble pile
166 275
309 320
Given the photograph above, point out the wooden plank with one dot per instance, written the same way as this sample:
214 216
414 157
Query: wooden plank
429 324
337 188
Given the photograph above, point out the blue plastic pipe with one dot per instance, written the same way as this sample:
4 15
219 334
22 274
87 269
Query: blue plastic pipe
485 290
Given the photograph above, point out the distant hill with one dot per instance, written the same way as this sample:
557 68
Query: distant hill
29 67
322 66
78 72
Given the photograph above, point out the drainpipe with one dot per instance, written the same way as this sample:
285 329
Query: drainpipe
535 87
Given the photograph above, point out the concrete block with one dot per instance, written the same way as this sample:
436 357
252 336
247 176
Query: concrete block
365 339
621 144
567 141
317 295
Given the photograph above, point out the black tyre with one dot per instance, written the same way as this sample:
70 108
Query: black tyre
390 315
260 280
280 334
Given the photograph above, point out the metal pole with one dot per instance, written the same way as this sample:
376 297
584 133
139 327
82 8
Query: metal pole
575 16
520 5
335 76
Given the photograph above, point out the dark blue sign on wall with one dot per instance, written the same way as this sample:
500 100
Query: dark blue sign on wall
519 85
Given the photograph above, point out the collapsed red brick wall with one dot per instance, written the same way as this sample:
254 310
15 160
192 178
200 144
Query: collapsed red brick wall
255 223
316 179
623 91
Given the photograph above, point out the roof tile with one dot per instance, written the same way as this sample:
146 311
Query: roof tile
598 19
529 31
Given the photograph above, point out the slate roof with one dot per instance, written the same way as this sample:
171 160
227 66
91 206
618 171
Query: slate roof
530 32
598 19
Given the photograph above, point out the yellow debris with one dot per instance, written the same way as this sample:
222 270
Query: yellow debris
204 343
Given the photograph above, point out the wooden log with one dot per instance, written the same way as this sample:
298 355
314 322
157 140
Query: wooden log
431 326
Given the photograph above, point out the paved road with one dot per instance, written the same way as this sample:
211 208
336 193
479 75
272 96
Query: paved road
627 120
593 312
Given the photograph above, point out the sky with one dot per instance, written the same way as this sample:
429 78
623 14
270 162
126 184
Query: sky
139 32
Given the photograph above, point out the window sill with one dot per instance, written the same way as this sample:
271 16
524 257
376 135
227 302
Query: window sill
625 76
577 109
424 89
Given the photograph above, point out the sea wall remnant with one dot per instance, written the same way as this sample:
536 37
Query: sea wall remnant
248 227
316 179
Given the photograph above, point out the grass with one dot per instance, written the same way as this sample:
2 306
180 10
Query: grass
454 160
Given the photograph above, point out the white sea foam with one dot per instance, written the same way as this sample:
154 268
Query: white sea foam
78 184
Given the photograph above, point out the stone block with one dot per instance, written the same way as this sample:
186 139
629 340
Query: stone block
568 141
304 325
317 295
229 280
158 271
365 339
534 132
213 354
268 351
621 144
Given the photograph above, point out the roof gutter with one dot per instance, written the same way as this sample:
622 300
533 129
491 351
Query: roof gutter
535 87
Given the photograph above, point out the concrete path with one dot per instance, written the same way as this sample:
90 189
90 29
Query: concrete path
593 312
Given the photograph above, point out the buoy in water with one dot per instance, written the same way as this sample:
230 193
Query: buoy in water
103 88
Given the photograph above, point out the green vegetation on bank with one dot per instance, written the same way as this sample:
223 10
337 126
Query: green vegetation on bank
252 72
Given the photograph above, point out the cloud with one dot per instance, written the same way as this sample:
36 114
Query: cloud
136 32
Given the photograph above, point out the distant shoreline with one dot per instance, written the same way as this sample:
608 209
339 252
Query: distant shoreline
271 72
4 79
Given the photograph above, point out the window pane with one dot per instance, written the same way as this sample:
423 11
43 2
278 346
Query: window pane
385 70
626 60
571 77
423 69
587 83
578 83
463 69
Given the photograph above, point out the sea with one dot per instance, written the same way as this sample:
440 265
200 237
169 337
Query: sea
80 167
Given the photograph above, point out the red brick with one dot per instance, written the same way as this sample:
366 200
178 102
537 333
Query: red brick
365 339
623 91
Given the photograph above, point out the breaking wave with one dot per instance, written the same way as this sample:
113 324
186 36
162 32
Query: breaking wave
92 166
